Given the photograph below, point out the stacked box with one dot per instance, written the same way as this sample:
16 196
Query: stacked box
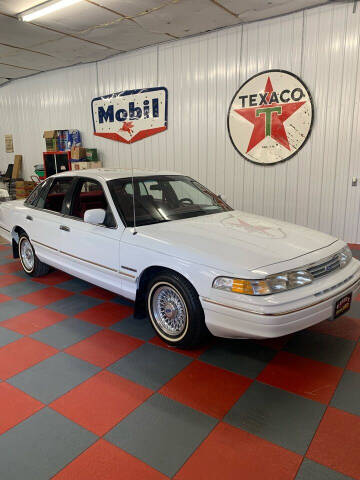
76 165
91 155
23 189
73 139
78 154
51 140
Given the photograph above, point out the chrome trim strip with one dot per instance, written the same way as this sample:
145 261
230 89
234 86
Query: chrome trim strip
88 261
97 264
129 268
126 274
44 245
280 313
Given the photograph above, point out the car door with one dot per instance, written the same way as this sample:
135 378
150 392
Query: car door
43 218
92 251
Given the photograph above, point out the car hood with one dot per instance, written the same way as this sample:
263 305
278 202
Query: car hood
232 241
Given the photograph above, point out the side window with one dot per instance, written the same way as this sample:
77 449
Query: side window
89 195
154 189
55 197
34 195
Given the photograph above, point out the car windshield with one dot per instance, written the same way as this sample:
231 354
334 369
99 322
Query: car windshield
163 198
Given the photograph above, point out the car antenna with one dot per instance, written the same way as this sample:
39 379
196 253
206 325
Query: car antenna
134 231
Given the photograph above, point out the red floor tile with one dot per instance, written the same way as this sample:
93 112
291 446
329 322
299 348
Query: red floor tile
104 348
300 375
106 314
104 461
11 267
229 453
6 280
22 354
194 353
4 298
344 327
100 293
204 387
53 278
101 402
4 247
31 322
337 441
354 362
15 406
46 296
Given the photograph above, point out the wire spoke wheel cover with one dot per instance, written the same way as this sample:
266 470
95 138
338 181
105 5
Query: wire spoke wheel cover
27 255
168 310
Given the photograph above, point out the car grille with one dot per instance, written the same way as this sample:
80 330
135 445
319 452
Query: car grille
324 267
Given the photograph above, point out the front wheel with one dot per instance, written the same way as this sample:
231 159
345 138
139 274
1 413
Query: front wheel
29 261
175 311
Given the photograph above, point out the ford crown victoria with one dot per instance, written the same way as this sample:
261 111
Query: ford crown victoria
188 260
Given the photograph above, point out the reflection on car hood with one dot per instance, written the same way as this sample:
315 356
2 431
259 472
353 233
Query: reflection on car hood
232 241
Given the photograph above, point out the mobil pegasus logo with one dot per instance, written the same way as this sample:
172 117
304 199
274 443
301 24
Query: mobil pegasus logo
131 115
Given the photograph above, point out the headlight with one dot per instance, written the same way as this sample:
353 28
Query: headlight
344 256
272 284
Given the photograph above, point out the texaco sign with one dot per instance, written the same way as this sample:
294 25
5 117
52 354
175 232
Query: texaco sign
270 117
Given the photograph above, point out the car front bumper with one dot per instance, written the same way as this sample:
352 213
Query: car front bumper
298 309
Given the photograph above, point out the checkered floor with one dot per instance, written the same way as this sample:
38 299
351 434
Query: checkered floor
88 392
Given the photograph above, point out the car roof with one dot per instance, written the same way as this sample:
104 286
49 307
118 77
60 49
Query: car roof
114 173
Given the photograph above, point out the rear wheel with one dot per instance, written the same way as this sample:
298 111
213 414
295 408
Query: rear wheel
175 311
29 261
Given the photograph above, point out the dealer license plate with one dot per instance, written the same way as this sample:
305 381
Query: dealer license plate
342 305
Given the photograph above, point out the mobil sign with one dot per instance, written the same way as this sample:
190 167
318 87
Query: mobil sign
131 115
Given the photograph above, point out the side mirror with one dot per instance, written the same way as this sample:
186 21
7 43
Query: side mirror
95 216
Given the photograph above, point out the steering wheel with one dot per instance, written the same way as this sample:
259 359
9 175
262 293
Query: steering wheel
186 201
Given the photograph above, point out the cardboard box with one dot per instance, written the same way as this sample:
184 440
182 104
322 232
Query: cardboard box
51 140
91 155
78 153
85 165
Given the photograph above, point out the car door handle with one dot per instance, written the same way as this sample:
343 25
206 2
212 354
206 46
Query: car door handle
28 217
63 227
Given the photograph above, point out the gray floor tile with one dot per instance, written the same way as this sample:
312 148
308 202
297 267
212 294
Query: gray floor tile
53 377
12 308
73 305
22 274
150 365
310 470
5 261
75 285
278 416
356 253
161 432
324 348
354 311
240 356
39 447
135 327
347 394
8 336
22 288
66 333
122 301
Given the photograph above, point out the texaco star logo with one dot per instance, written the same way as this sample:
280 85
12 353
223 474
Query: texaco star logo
270 117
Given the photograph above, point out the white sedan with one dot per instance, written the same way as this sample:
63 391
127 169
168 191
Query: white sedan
186 258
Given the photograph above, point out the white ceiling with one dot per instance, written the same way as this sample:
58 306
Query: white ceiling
96 29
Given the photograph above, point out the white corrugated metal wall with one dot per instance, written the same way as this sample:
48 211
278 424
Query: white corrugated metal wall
313 188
